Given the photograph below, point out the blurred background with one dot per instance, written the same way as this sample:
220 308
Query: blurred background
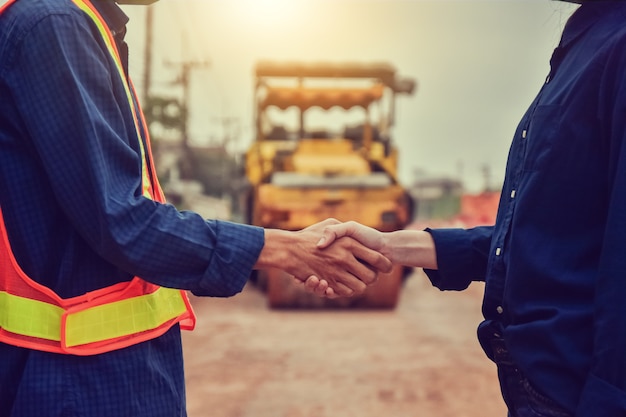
477 64
406 350
412 351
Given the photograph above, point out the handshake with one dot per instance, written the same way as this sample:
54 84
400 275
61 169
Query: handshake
333 259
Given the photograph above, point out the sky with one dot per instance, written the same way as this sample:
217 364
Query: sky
477 64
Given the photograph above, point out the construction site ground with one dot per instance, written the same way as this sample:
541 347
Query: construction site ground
421 359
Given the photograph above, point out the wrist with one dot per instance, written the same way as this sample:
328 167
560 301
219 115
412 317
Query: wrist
275 252
410 248
386 246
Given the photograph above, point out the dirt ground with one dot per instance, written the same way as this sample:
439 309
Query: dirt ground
420 360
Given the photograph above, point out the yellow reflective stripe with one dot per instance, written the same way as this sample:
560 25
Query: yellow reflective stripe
33 318
105 32
123 318
28 317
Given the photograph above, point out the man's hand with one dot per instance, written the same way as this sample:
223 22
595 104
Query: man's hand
403 247
367 236
334 231
346 267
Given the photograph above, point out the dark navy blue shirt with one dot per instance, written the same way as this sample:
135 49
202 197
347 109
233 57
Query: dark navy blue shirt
70 193
555 261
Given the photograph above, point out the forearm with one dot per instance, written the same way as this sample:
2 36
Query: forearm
276 252
183 250
410 248
462 256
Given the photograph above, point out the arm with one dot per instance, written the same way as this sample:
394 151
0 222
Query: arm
75 145
403 247
452 258
81 130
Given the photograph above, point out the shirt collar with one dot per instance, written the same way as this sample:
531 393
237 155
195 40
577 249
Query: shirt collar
112 14
588 14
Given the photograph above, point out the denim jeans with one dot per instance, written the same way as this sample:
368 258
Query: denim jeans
519 395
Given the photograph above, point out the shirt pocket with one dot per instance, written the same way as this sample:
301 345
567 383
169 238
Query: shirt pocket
543 132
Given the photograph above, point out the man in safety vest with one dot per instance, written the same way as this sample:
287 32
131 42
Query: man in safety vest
93 262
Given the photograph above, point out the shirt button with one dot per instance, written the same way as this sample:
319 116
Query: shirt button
513 194
498 251
524 132
499 309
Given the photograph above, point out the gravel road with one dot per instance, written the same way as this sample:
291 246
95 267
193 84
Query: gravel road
420 360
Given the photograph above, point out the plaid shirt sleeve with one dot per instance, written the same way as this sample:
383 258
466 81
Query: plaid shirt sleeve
71 172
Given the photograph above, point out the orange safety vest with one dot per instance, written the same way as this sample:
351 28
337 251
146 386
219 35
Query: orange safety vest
35 317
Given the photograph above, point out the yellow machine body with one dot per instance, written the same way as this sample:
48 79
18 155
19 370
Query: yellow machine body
300 175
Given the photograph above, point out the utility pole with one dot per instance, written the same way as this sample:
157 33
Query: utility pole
184 79
147 69
230 129
487 176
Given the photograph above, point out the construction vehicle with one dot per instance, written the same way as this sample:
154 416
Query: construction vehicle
347 169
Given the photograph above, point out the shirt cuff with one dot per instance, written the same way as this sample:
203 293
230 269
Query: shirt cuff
460 257
238 247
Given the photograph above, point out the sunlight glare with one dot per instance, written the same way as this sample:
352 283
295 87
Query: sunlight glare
269 12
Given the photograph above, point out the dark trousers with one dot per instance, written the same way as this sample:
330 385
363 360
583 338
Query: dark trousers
520 397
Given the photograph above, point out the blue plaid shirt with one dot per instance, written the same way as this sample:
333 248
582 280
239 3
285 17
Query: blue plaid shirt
70 193
555 261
